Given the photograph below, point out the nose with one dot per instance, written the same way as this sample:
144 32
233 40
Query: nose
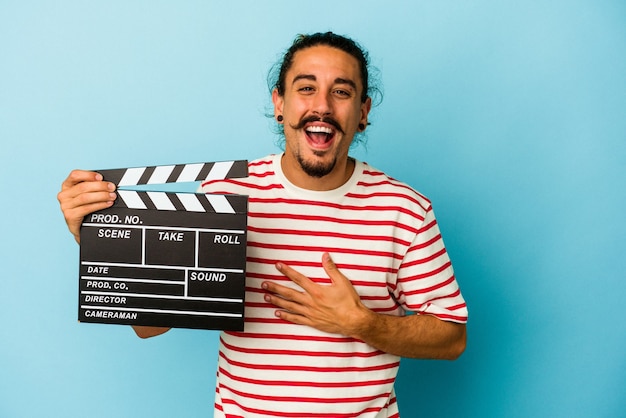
322 104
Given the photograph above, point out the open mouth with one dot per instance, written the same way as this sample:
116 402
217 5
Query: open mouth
319 135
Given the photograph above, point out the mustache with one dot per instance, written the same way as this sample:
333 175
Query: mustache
327 119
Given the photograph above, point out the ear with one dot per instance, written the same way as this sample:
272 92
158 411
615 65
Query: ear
278 101
365 110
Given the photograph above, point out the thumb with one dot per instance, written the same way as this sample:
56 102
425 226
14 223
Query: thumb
331 268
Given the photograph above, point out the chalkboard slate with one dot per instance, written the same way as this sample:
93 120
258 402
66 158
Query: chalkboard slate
166 259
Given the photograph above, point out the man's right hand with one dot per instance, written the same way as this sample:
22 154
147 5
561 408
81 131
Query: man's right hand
82 193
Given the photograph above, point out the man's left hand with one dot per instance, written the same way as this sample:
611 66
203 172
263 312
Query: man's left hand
334 308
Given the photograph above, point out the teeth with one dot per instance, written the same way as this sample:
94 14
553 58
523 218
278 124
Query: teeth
321 129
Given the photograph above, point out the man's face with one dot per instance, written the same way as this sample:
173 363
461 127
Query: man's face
322 110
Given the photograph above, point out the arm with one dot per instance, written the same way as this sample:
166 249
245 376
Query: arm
82 193
338 309
147 332
414 336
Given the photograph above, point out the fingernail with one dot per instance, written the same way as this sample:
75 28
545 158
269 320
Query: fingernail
111 186
279 265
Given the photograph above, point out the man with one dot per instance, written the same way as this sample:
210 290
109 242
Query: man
338 253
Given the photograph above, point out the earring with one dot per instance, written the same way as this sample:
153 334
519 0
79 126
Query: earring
361 127
279 118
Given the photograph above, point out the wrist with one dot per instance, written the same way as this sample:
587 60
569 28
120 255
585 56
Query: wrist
361 322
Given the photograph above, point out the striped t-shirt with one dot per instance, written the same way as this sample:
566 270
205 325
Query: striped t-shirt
383 236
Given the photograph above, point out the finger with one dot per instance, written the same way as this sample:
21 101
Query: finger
75 204
79 176
85 187
76 214
286 304
282 291
331 269
293 318
328 263
70 201
80 182
295 276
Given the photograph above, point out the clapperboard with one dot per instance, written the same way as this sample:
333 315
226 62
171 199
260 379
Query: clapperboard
165 258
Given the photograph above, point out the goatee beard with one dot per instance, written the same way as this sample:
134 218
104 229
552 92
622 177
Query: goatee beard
316 170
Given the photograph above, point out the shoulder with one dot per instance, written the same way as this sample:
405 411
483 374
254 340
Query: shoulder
376 184
262 167
260 175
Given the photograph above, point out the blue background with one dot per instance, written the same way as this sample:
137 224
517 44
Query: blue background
510 116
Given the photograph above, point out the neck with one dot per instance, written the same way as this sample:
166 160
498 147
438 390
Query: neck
340 174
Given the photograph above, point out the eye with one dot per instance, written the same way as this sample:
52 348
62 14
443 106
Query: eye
343 93
306 89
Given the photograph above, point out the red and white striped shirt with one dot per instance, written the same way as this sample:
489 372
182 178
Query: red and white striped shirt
384 237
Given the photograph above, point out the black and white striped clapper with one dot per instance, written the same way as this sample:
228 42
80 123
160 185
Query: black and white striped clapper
168 259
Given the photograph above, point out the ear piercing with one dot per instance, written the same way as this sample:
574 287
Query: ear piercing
279 118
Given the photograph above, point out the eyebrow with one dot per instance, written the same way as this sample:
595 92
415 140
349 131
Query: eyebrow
338 80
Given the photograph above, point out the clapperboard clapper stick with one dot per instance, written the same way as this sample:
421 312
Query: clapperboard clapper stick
166 258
